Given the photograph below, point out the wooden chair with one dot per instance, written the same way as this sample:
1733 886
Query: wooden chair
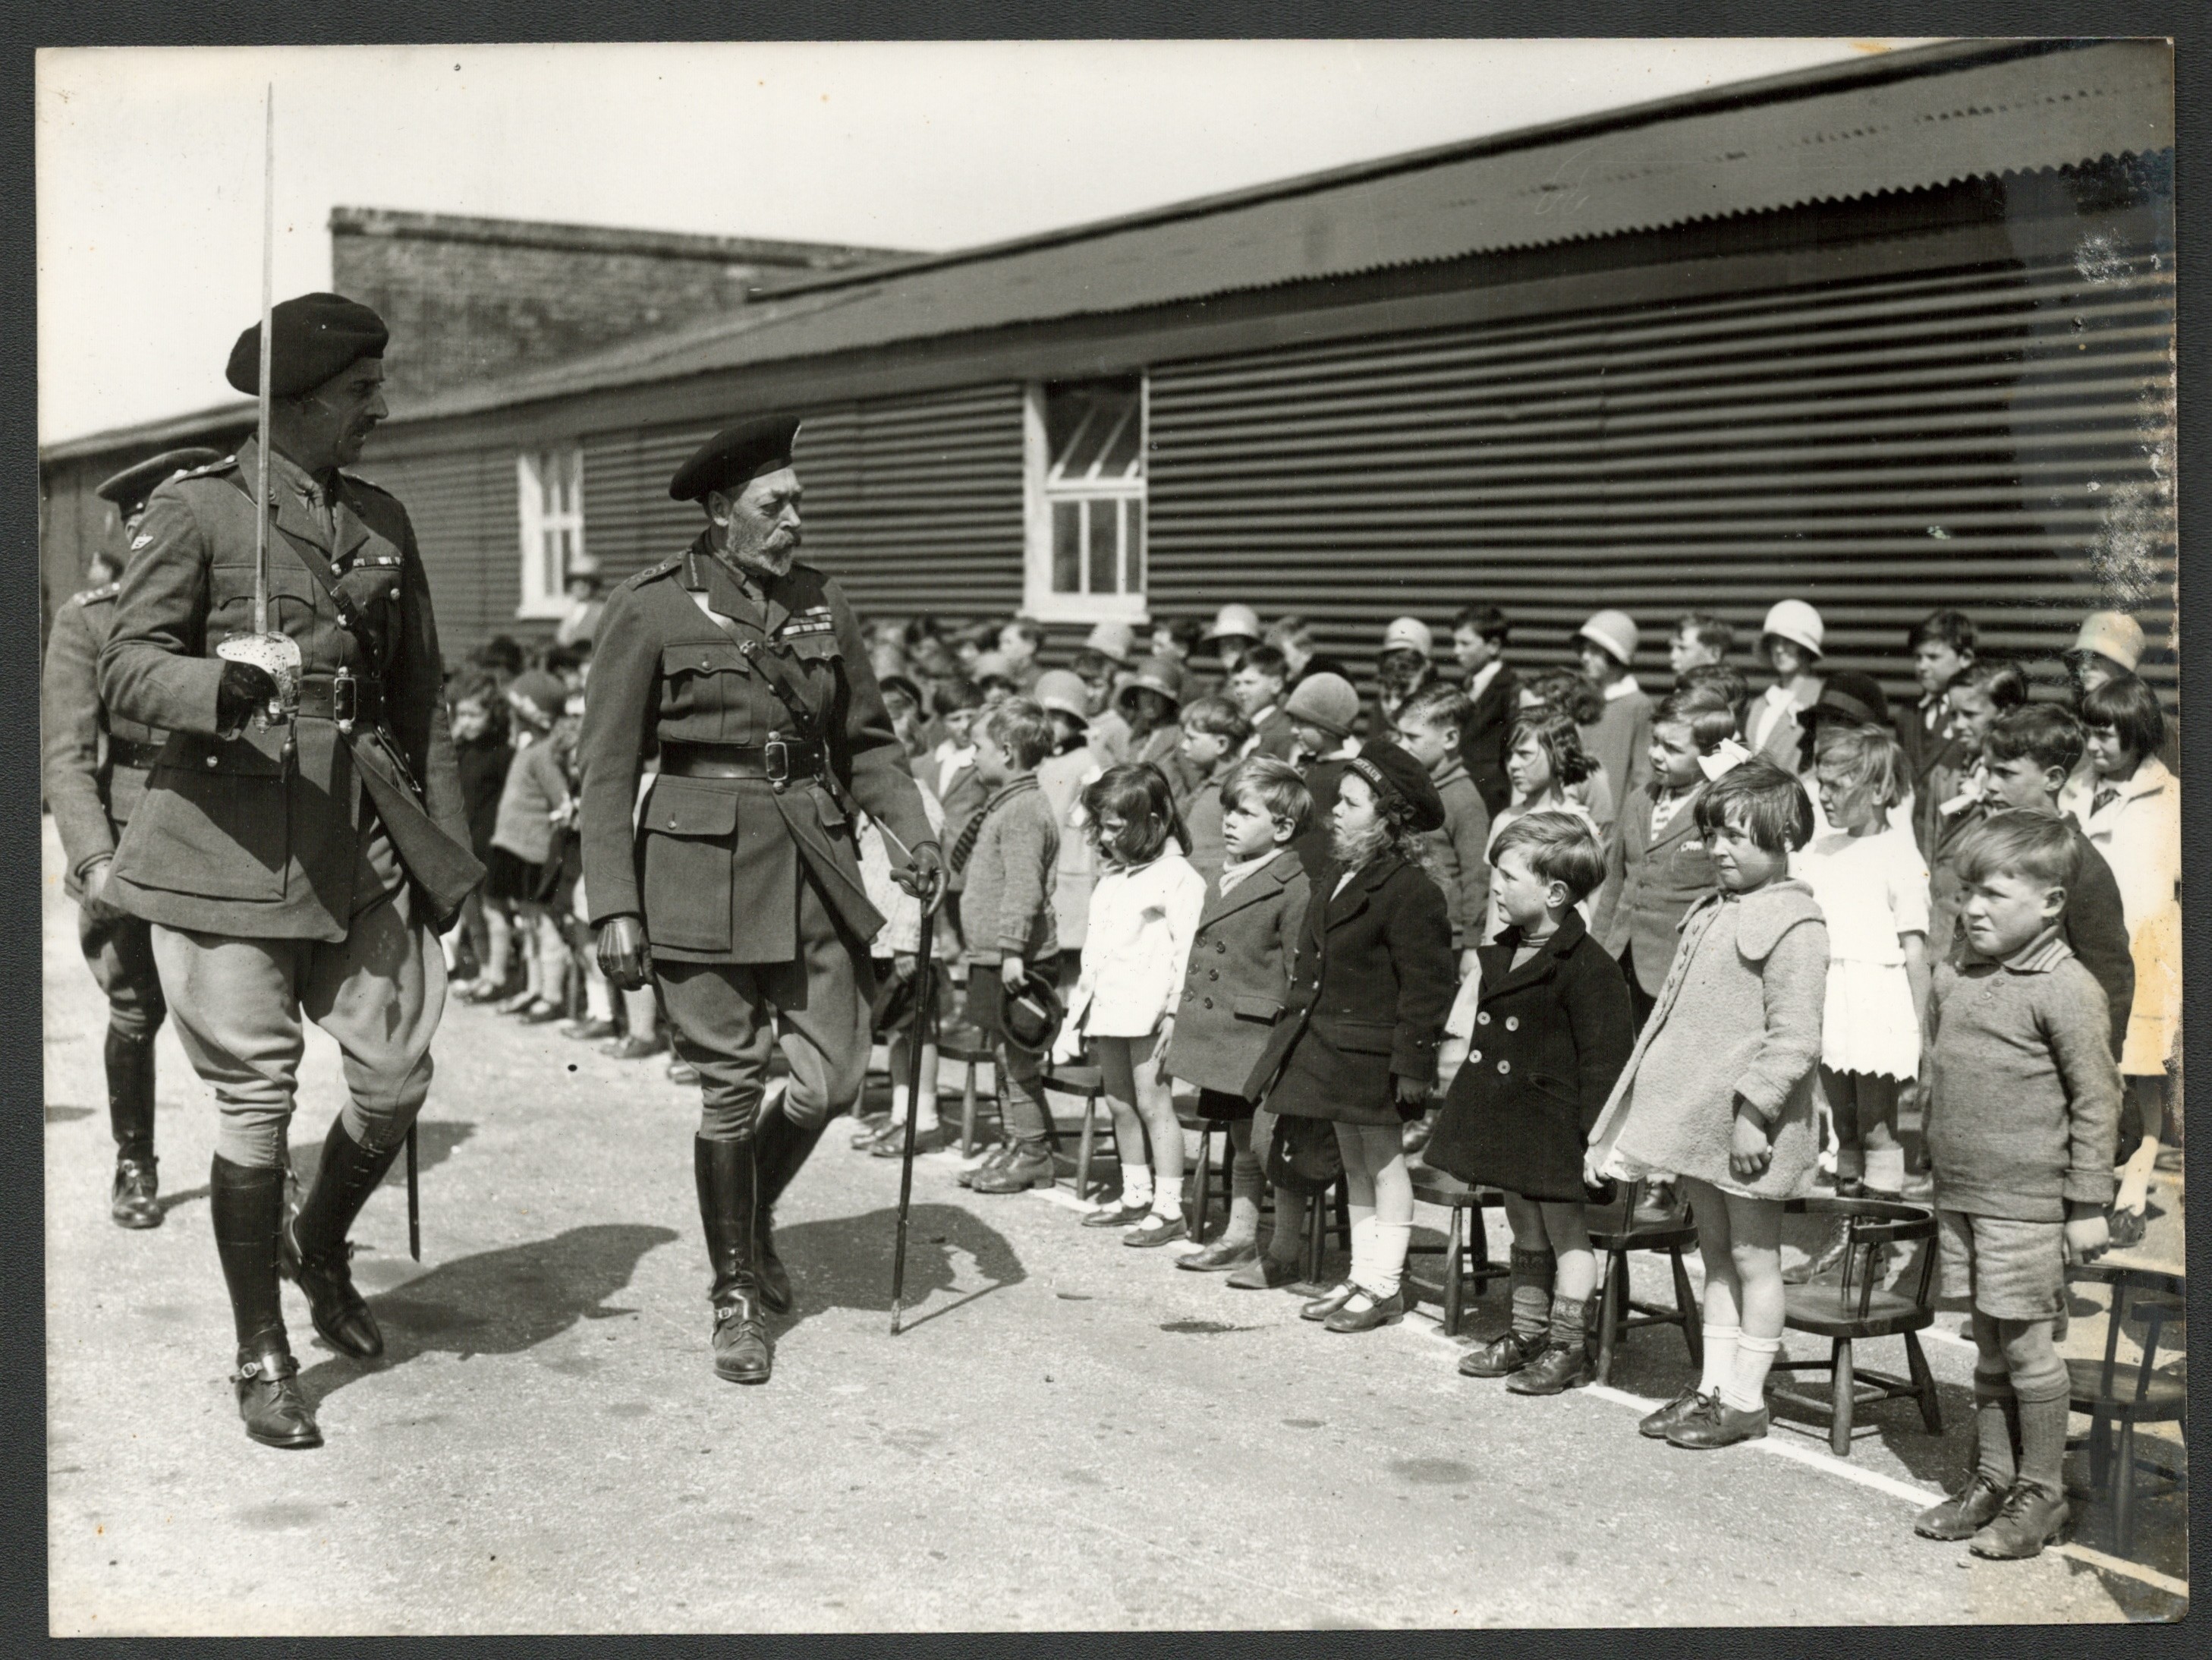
1089 1084
2112 1393
970 1057
1856 1306
1466 1249
1204 1171
1615 1230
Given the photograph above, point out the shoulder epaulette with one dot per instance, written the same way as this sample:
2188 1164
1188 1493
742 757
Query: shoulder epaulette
650 571
94 596
209 469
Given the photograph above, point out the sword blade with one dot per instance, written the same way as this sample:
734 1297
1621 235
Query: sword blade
261 412
414 1199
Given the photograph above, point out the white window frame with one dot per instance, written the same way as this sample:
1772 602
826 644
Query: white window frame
1039 494
544 591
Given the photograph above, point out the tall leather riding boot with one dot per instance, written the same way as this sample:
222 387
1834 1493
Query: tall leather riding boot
728 1174
131 1111
246 1207
784 1150
315 1250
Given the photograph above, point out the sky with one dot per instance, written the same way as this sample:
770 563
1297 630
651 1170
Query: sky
149 159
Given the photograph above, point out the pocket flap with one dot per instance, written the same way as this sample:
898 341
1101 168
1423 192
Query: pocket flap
692 806
1253 1006
704 657
1360 1036
815 646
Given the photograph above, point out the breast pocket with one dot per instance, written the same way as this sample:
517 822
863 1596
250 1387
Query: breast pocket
708 692
689 828
292 595
371 586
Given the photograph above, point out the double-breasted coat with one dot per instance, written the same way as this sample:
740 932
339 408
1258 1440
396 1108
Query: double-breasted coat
1374 979
259 835
1549 1039
712 865
1650 885
1238 983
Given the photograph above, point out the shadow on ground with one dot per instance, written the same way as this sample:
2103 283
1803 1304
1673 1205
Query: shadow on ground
845 1261
435 1140
500 1302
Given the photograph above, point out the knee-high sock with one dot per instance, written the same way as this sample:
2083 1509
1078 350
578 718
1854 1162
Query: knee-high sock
1387 1271
2043 1409
1288 1238
1754 1356
1534 1272
1243 1201
1996 1428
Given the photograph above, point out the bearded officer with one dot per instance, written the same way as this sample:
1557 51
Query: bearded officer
300 867
739 889
94 768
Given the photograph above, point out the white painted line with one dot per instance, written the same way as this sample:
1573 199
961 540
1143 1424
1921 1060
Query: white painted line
2097 1558
1063 1197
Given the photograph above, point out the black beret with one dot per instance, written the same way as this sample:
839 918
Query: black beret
130 487
1393 772
315 336
1849 695
735 455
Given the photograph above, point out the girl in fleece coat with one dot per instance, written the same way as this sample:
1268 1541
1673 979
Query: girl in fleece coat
1718 1091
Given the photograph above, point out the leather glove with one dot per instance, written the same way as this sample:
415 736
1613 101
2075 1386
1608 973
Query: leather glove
244 689
923 875
93 894
624 957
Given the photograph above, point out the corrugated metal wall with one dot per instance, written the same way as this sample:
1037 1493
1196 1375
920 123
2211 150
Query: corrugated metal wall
914 506
462 503
1995 439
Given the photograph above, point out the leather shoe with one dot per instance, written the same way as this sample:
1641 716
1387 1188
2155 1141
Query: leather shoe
336 1308
267 1384
1328 1302
1504 1355
542 1013
991 1160
891 1144
1117 1215
1654 1425
1028 1166
865 1130
1220 1256
1264 1273
1716 1424
1560 1367
130 1202
2031 1518
1383 1311
588 1031
633 1048
1156 1230
1965 1514
743 1352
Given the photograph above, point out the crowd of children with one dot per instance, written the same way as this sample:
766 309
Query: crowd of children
1542 930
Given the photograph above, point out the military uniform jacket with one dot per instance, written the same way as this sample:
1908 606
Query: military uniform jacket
237 836
89 784
713 864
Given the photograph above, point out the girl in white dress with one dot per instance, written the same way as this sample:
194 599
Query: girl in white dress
1872 884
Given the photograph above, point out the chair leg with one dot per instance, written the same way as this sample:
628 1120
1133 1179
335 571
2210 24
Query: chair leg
1202 1185
1843 1395
2100 1451
1610 1309
968 1113
1452 1249
2124 1489
1686 1304
1343 1214
1923 1384
1083 1146
1316 1237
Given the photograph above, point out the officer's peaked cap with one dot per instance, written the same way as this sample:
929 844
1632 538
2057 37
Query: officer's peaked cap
734 456
314 337
130 487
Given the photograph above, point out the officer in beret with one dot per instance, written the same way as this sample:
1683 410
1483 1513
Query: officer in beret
94 766
303 867
737 886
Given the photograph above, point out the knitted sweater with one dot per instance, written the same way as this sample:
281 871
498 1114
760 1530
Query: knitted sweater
2024 1112
535 786
1006 904
1459 849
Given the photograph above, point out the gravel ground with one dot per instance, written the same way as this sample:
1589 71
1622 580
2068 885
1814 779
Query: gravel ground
1069 1434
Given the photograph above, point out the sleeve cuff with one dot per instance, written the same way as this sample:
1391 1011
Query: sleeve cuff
2093 1187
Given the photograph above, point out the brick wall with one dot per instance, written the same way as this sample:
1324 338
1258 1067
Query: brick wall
471 298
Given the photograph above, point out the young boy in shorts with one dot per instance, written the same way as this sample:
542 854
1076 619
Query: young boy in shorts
2023 1114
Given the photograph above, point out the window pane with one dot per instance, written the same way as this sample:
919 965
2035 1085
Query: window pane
549 485
1085 419
548 562
1118 458
1068 547
1133 556
1105 548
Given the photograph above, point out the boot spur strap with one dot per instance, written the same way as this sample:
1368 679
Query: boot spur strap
269 1369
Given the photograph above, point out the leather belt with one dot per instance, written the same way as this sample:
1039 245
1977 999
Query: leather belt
130 753
779 761
349 699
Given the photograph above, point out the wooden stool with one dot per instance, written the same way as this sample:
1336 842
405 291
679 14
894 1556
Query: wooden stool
1857 1307
1089 1083
1466 1249
1202 1172
971 1058
2116 1402
1618 1312
1317 1214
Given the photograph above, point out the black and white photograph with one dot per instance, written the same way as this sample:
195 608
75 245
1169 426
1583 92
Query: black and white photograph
1123 834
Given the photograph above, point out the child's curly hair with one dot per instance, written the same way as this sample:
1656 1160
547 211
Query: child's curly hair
1556 734
1140 796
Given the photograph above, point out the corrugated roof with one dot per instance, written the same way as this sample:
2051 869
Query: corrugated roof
1905 121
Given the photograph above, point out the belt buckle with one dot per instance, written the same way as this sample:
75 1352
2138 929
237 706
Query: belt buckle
345 701
775 759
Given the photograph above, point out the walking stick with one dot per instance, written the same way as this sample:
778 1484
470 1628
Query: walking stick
925 966
414 1199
